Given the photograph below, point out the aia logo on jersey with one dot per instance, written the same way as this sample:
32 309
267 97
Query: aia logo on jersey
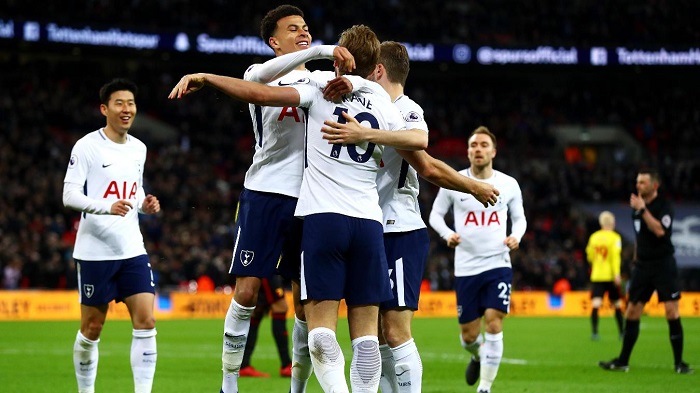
247 257
290 111
121 193
88 290
482 218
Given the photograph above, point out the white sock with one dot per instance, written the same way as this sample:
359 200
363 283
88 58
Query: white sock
491 354
143 359
409 368
236 326
387 382
328 360
366 365
85 357
301 360
472 347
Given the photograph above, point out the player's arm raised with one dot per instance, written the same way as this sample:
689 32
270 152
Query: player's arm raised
353 132
443 175
250 92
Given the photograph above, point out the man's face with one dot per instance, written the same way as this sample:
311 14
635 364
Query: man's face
292 35
645 185
120 111
481 150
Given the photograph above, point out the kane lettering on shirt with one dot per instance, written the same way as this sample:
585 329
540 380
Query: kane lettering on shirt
342 178
397 181
482 230
109 172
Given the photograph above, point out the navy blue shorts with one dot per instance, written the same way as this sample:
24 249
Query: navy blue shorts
490 289
100 282
406 254
343 257
267 234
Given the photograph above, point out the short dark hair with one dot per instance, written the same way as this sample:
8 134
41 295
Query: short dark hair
653 174
117 84
394 56
269 21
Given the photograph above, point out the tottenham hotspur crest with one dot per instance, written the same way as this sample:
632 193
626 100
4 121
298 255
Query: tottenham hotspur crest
247 257
88 290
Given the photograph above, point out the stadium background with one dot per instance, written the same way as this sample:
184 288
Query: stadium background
621 117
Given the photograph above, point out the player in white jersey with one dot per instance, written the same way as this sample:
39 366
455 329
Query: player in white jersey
104 181
483 273
266 230
338 195
405 234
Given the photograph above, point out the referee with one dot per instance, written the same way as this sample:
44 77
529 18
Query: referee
655 269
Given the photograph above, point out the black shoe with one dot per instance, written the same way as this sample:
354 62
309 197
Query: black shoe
614 365
472 373
683 368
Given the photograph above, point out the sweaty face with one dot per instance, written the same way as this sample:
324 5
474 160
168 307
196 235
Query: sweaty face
292 35
481 150
120 111
645 185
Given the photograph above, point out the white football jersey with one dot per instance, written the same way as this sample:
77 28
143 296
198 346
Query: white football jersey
342 178
279 142
397 182
482 230
109 172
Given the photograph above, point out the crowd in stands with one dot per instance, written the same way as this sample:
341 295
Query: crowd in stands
50 100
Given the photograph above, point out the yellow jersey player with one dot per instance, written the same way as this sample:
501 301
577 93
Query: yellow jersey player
603 253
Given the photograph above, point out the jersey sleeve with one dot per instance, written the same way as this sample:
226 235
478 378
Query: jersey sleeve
79 164
308 92
74 198
414 119
517 213
441 206
281 65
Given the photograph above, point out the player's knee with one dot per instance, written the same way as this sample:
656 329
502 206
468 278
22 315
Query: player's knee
596 302
93 330
493 326
395 335
246 295
145 323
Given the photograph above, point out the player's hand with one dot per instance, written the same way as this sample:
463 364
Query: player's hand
512 243
337 133
187 84
336 88
453 240
485 193
121 208
343 59
150 205
618 281
636 202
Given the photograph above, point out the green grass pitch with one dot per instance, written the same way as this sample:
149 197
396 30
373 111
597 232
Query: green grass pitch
541 355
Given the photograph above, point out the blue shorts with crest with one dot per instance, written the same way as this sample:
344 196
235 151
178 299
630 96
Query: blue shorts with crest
100 282
266 234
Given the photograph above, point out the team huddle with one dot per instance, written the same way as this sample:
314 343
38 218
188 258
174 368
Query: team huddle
330 202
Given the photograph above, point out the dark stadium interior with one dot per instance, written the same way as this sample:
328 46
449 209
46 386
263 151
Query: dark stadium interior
49 100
